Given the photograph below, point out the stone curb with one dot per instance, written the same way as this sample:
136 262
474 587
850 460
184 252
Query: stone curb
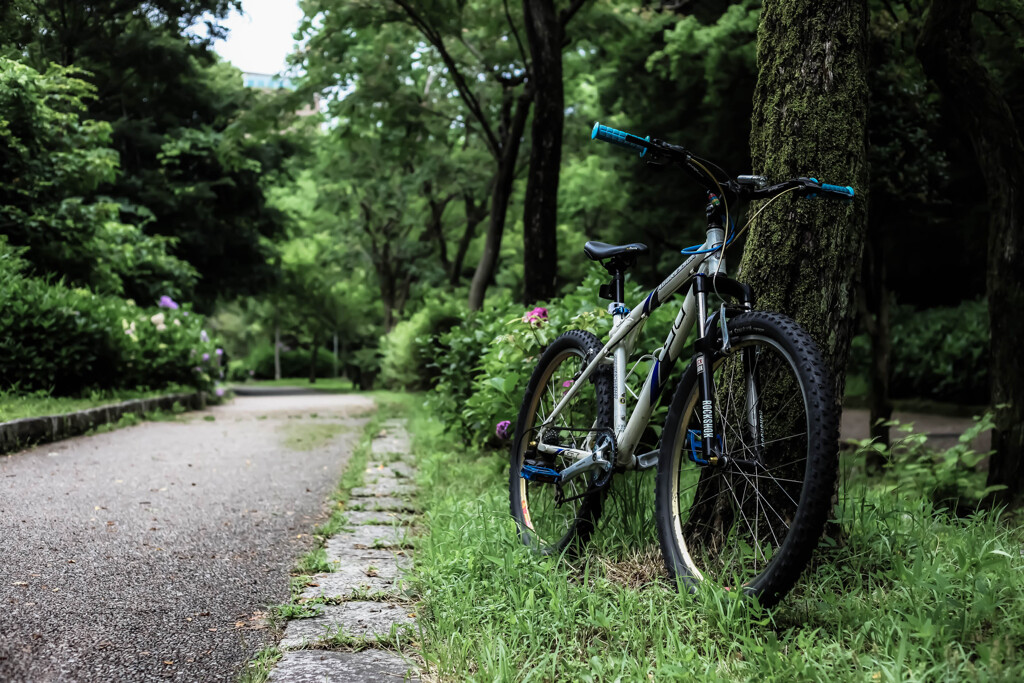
29 431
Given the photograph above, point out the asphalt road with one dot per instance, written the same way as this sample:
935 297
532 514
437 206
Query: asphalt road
148 553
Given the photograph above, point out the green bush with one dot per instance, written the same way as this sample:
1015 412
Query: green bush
938 353
294 362
67 341
408 352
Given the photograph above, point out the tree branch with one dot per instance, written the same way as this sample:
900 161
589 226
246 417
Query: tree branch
566 15
435 39
515 34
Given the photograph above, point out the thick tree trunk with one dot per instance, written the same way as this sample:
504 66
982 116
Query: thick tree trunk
500 195
810 110
540 209
983 115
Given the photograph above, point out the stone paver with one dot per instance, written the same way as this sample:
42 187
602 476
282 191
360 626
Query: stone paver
384 504
398 469
365 666
384 488
362 568
360 619
391 444
347 581
385 517
367 536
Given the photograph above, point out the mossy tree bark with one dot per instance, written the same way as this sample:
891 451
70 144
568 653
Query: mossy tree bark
981 112
803 257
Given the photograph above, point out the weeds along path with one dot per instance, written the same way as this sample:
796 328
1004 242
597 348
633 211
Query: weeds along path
147 553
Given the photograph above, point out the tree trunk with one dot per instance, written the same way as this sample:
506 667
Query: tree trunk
474 214
540 209
500 195
277 352
810 111
314 347
981 112
873 296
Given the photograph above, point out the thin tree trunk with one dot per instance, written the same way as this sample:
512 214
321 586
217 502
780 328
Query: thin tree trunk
277 352
540 206
981 112
500 195
474 214
314 347
335 355
810 111
873 296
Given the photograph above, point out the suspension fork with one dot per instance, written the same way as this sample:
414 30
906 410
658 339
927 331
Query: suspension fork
703 358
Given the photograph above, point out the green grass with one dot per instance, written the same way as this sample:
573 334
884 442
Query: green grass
40 404
306 437
910 593
326 384
258 668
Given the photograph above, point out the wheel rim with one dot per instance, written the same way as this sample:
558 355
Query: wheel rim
549 525
730 522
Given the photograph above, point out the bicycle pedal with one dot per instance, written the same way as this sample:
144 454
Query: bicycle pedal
541 474
647 460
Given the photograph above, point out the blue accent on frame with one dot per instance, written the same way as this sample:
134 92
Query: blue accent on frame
655 381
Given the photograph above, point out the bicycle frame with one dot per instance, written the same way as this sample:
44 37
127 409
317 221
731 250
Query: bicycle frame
626 327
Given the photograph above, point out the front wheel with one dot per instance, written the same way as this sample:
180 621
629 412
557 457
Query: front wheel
552 516
751 523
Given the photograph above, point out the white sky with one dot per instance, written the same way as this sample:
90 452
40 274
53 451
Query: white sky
261 38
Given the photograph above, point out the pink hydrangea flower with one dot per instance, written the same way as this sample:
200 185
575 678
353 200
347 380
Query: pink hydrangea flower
536 317
567 383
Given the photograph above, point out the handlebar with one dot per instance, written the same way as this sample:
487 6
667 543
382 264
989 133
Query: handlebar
663 152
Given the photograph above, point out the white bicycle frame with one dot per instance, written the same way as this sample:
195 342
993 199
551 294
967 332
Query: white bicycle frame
619 348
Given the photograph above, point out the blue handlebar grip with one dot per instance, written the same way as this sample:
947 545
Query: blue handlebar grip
616 137
838 189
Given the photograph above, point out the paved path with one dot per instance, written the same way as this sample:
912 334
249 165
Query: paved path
148 552
942 431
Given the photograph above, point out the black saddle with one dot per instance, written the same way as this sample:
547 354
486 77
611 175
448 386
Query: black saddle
599 251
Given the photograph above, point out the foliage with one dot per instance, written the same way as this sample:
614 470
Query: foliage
294 362
911 594
65 340
190 163
52 163
938 353
409 351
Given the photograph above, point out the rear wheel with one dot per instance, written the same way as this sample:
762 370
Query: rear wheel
552 516
753 522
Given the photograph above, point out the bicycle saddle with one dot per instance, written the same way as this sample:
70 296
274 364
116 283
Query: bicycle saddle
599 251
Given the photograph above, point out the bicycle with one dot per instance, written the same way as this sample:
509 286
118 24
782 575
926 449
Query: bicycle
746 471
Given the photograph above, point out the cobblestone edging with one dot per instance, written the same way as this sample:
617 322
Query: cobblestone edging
368 602
29 431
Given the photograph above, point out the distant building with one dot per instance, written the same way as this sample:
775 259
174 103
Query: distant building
269 82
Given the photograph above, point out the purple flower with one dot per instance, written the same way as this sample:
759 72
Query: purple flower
220 391
252 373
167 302
197 369
206 357
220 352
203 337
185 313
501 429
